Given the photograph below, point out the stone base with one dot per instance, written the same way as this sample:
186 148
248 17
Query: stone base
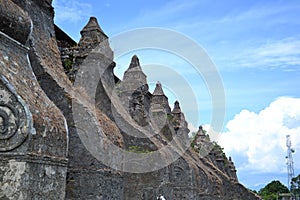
32 177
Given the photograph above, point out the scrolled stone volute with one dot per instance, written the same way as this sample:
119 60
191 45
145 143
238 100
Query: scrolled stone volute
15 118
14 22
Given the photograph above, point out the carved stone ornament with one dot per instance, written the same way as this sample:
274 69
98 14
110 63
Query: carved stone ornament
15 118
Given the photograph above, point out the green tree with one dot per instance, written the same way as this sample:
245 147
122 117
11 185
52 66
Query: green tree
295 185
271 190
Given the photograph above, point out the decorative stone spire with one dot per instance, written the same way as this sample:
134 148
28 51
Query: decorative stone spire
92 25
134 74
134 64
159 100
158 91
177 116
231 170
133 92
200 132
92 33
176 109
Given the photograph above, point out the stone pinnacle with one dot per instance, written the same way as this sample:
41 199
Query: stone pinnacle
176 109
92 25
134 62
158 89
91 35
200 131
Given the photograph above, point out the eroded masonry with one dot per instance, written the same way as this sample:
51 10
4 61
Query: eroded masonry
42 151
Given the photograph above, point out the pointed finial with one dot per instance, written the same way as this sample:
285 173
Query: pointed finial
92 25
134 62
176 108
158 89
92 34
200 130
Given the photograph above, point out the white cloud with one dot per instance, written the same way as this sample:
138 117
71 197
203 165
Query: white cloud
71 11
270 12
248 39
261 137
281 54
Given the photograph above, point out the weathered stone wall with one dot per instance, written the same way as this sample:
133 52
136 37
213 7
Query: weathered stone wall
190 177
35 167
49 156
85 173
88 178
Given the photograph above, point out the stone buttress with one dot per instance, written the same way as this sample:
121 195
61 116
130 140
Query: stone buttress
33 134
45 154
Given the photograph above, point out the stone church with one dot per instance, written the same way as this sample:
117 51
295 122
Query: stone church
45 153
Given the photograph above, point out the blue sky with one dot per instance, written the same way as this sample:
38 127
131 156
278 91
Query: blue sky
255 46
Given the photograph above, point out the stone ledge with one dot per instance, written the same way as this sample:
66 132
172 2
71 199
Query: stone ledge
34 158
11 41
